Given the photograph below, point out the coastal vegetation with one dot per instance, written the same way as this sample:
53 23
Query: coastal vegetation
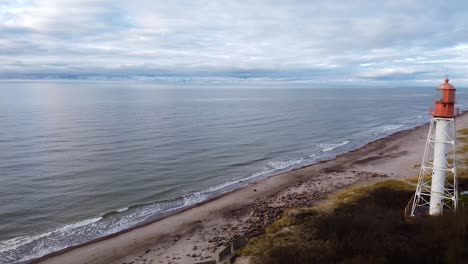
366 224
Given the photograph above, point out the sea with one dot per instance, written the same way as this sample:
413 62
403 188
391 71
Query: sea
79 161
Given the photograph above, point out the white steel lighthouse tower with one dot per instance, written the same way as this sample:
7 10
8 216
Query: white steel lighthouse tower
437 183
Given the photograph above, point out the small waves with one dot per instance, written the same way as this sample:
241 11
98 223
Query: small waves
20 241
270 168
122 209
387 128
28 247
11 246
330 147
275 166
279 165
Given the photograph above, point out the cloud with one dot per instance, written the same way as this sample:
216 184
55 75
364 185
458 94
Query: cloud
296 41
391 73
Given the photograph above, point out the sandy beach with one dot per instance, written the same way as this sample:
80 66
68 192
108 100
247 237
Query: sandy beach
198 233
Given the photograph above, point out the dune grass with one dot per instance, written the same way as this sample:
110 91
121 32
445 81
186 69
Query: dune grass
368 227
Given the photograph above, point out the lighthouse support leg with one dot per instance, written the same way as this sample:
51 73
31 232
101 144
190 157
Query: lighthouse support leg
441 146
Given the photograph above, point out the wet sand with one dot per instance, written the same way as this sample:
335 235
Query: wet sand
197 234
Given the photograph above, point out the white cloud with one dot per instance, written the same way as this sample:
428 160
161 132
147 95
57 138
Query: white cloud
382 73
332 40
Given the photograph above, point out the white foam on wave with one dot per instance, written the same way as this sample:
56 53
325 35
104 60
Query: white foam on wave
330 147
194 198
17 242
279 165
122 209
275 166
220 186
388 128
271 167
50 241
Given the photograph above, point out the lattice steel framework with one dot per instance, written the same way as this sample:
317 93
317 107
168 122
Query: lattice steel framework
449 197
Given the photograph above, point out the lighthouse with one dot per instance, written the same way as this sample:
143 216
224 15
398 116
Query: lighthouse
437 181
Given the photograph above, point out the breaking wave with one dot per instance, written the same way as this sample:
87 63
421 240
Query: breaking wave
388 128
12 245
330 147
24 248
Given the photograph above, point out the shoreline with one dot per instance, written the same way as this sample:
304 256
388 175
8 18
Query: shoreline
293 179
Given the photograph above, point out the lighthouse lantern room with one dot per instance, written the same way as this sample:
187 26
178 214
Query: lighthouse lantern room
437 182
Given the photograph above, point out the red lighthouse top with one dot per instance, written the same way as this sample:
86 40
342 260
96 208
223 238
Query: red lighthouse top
445 100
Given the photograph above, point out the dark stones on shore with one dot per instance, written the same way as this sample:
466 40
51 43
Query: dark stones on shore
264 213
368 175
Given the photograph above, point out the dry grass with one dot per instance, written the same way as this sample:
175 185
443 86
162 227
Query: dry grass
367 227
365 224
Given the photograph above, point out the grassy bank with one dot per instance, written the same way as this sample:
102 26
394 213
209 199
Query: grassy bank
366 224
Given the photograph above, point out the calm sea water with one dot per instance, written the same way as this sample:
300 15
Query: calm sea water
83 160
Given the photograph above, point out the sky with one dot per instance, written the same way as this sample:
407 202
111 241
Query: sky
273 42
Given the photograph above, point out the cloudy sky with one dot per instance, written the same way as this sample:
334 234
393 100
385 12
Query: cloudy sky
299 42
